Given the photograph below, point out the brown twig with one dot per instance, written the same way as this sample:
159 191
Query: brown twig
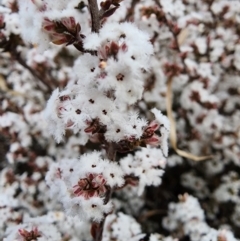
34 73
94 11
111 152
175 35
130 10
97 230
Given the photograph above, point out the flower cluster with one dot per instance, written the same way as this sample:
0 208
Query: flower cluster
105 86
189 213
53 226
83 186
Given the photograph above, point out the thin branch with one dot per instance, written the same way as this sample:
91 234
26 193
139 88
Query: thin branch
175 36
130 11
111 152
94 11
35 74
97 230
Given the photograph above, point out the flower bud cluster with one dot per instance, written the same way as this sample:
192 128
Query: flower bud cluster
50 21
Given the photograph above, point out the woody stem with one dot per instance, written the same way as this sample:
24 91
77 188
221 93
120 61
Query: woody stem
94 11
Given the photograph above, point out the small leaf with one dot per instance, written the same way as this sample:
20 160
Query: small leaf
71 41
105 5
78 28
109 12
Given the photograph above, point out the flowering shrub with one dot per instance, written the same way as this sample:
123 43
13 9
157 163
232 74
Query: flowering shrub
91 92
